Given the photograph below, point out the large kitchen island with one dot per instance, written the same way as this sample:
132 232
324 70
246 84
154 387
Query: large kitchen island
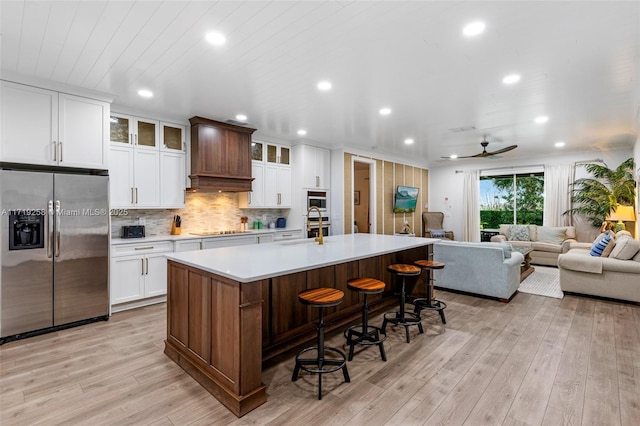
231 309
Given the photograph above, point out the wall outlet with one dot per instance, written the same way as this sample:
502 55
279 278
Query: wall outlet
264 217
142 221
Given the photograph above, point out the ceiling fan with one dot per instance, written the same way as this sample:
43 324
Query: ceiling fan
486 153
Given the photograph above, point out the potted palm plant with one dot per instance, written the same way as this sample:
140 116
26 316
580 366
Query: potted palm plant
596 196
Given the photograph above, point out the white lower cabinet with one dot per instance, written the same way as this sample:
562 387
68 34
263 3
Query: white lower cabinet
138 272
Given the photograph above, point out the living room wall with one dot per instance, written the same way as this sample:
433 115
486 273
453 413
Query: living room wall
390 173
446 183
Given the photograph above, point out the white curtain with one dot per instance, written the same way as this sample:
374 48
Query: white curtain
471 206
557 199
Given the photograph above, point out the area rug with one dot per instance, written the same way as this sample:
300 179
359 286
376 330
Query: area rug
544 281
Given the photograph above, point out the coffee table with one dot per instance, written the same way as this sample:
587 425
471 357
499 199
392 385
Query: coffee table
525 269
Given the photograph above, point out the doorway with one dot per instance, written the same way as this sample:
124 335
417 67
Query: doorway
363 198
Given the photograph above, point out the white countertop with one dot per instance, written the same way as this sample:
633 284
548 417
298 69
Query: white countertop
256 262
187 236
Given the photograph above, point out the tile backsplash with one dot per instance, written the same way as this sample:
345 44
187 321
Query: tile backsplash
215 211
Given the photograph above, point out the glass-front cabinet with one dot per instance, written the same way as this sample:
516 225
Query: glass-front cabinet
126 129
278 154
121 129
172 136
257 153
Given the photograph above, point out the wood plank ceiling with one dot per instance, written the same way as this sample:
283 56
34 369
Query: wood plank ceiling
578 61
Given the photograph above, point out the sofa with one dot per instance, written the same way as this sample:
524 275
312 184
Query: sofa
547 242
488 269
611 276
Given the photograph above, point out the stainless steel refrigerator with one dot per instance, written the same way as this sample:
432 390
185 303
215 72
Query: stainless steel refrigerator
54 234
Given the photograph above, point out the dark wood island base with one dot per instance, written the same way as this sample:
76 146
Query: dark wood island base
219 331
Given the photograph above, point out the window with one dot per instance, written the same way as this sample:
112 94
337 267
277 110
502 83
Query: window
516 198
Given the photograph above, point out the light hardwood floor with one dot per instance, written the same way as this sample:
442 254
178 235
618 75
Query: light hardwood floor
533 361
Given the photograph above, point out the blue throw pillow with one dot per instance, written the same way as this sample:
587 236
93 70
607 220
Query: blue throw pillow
437 233
598 247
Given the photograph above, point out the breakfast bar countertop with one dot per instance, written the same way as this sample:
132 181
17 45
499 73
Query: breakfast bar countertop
256 262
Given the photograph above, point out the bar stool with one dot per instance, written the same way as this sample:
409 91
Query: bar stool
321 298
429 303
365 334
402 317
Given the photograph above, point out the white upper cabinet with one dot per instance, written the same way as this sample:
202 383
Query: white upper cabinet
153 175
271 173
315 166
45 127
172 179
277 183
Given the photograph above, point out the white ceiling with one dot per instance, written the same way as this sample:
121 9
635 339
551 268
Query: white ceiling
579 63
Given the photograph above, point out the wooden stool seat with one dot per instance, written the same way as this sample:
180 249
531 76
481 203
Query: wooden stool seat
365 334
321 298
402 317
366 285
404 270
429 264
317 297
429 303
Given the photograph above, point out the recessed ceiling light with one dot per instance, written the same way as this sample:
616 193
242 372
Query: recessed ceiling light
324 86
385 111
511 79
302 132
453 156
541 119
145 93
408 141
559 144
216 38
473 29
241 117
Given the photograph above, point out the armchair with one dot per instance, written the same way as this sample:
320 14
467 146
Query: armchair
433 220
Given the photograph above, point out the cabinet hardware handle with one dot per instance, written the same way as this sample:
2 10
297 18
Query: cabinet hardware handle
317 181
130 137
279 198
142 266
136 195
136 139
287 235
55 150
147 269
132 195
60 145
144 248
249 195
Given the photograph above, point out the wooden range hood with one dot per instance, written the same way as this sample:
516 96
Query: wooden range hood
220 156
